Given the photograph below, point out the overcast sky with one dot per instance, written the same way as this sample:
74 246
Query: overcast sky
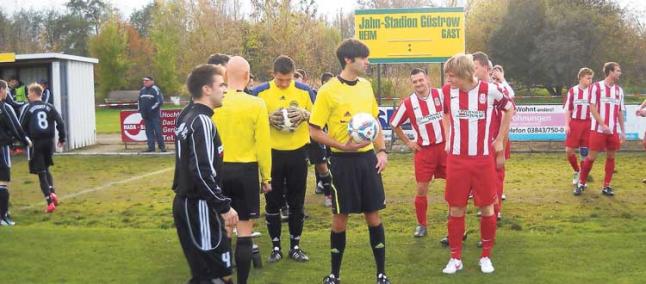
325 7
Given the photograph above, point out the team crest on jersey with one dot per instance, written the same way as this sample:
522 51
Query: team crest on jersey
282 98
482 98
437 101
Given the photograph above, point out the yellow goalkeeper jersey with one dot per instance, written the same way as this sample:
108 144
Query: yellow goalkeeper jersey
298 95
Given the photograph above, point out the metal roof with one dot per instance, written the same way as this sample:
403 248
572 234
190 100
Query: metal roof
62 56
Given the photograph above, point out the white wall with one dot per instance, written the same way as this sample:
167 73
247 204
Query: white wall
81 119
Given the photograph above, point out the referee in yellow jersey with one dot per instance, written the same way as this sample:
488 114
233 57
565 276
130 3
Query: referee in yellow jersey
289 105
356 168
244 129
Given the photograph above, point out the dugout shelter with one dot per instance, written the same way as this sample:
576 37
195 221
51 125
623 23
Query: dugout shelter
71 80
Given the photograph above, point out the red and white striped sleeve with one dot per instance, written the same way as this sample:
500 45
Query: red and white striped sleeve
501 101
569 101
400 116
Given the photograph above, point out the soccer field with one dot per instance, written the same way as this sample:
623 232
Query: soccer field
115 226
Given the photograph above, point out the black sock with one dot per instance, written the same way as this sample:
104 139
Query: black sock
4 200
295 226
273 226
50 181
44 186
378 244
243 258
337 245
326 179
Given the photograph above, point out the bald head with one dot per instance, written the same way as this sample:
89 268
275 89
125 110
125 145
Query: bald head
237 73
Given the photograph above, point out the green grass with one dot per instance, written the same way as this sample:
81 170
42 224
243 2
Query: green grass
124 234
107 121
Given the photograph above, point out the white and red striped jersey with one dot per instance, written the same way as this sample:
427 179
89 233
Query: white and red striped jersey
609 101
578 103
424 115
507 90
471 115
497 113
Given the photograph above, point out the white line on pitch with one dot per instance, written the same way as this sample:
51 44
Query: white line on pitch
100 188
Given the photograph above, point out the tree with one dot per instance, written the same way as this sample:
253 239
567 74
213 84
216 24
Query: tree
110 47
141 19
140 55
65 33
166 35
544 43
94 11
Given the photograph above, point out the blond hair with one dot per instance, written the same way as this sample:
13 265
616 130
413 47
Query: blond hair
585 71
36 89
461 65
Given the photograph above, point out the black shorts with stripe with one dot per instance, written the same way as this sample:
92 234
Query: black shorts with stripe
40 155
241 183
203 238
316 152
5 163
356 185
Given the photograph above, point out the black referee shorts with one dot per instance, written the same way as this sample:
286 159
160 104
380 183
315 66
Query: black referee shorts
40 155
5 163
356 185
203 238
316 153
288 180
241 183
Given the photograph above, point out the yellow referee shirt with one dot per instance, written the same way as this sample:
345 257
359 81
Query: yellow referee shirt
298 95
336 103
243 124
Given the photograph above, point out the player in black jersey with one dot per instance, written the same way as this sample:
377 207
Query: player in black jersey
203 215
9 129
39 120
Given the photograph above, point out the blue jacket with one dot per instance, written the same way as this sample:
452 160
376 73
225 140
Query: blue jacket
150 101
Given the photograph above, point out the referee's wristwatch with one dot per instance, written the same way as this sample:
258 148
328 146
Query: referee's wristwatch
383 150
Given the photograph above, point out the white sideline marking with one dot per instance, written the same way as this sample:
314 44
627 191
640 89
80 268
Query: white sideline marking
100 188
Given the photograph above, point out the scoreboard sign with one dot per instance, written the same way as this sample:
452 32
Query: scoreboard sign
424 35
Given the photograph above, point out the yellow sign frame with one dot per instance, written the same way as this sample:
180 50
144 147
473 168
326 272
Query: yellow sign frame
418 35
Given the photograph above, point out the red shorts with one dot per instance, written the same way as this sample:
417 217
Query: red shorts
604 142
430 162
579 134
464 175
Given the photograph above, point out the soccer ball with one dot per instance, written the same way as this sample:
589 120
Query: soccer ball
363 128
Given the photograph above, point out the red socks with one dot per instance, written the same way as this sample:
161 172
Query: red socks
610 169
487 234
586 166
421 204
456 232
573 162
